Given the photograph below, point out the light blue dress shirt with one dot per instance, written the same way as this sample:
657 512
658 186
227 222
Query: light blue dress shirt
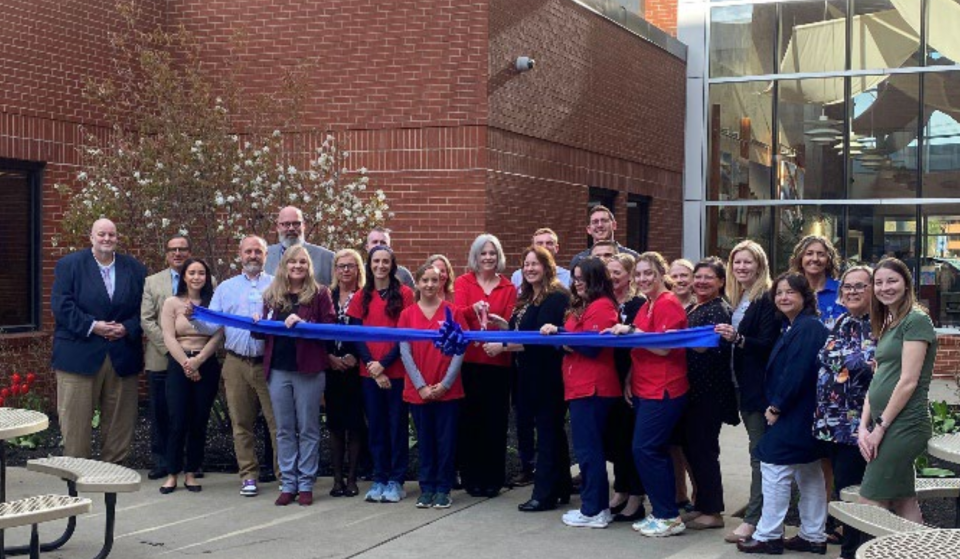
242 296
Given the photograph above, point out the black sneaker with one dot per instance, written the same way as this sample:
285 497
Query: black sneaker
157 473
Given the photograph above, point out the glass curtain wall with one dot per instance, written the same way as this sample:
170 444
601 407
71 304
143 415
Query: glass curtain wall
840 118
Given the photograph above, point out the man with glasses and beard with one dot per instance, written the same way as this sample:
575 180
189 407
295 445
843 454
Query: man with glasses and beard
290 227
243 378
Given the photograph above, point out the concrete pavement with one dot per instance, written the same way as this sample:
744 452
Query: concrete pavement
218 523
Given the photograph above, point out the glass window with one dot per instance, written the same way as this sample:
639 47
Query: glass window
740 141
942 44
810 114
941 135
940 263
728 225
19 293
883 140
874 232
742 40
813 36
886 34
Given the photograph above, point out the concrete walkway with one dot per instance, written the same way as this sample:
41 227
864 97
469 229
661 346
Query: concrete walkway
218 523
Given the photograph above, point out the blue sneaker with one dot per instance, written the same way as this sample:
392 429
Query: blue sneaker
393 493
442 501
375 495
425 501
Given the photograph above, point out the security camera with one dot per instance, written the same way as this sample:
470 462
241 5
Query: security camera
525 63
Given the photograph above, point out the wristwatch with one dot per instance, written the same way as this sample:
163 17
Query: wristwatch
878 422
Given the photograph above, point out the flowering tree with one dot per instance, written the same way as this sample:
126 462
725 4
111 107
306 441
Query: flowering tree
173 160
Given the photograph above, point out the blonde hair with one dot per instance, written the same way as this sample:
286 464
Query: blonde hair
451 275
833 257
357 259
629 264
659 264
276 295
734 290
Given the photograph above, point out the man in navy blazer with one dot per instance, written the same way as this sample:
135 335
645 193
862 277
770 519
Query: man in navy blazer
98 344
290 232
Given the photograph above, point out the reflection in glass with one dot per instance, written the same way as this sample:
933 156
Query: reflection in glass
941 135
886 34
883 141
811 165
874 232
940 265
740 141
793 223
812 36
943 46
728 225
741 40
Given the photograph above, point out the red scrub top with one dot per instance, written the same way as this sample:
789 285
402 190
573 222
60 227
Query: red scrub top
585 376
653 376
377 316
502 299
433 364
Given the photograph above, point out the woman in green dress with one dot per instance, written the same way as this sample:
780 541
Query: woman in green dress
896 421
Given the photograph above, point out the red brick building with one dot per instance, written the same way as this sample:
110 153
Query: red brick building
424 93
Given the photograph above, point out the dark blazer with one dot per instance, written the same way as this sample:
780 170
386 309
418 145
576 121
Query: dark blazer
760 328
79 298
792 388
311 354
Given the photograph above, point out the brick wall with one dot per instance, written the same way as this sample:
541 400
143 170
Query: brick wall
663 14
947 364
601 108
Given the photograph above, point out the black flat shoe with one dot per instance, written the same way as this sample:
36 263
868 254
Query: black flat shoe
564 499
534 505
157 473
267 476
193 488
475 492
198 474
491 492
638 514
619 508
351 489
167 490
338 489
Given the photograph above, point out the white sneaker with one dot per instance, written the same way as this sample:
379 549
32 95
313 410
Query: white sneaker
583 521
663 527
249 488
641 524
572 513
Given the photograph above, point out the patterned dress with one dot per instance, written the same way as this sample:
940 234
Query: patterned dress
845 375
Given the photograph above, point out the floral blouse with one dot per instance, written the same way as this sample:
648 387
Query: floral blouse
845 375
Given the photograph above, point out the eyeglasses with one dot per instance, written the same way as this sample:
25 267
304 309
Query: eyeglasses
290 224
345 267
854 287
181 250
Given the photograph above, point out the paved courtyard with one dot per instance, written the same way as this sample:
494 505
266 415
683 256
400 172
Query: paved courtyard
218 523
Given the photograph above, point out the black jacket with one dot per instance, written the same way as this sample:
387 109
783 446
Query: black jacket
760 329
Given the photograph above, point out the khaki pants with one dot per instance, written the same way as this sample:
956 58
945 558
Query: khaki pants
77 398
247 393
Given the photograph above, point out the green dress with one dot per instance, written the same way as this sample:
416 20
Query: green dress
891 474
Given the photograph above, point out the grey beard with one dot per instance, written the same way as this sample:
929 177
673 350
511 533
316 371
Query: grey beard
252 268
287 242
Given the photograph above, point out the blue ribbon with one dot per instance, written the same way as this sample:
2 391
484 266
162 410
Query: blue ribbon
452 338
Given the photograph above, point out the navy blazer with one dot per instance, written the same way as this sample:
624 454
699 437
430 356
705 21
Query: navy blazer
760 329
792 388
79 298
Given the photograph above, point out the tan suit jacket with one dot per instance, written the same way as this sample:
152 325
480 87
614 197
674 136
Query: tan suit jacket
156 289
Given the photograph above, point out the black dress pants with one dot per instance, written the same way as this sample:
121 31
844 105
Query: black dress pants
483 426
188 405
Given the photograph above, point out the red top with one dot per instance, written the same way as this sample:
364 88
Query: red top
502 299
585 376
377 316
433 364
657 376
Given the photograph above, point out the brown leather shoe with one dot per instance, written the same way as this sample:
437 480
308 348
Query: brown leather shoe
284 499
796 543
750 545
